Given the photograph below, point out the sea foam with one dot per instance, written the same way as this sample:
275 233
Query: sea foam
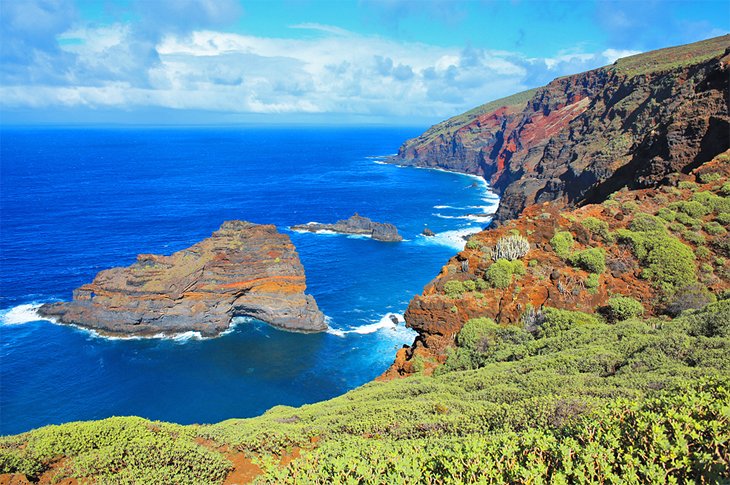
21 314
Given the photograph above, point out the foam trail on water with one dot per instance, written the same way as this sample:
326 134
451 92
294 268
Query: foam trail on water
385 322
21 314
453 239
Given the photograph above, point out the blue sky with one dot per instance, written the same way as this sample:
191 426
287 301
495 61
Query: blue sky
309 61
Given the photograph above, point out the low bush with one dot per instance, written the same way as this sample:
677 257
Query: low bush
500 273
597 227
562 243
454 288
556 321
621 308
714 228
692 208
711 321
592 281
667 214
592 260
667 262
647 223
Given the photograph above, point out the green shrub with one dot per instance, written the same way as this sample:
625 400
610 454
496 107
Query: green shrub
711 321
725 189
474 332
592 260
532 263
667 262
667 214
622 308
670 265
693 208
685 184
706 178
714 228
473 244
470 285
723 218
557 321
454 288
694 237
675 227
689 220
592 281
500 273
562 243
702 252
629 206
597 227
647 223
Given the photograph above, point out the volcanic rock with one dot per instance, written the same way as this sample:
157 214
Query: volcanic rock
357 225
243 269
428 232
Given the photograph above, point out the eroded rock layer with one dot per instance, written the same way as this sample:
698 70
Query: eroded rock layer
582 137
243 269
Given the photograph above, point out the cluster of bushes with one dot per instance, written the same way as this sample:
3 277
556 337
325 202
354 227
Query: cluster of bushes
667 262
456 288
583 401
592 260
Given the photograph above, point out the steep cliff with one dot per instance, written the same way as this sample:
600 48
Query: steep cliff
582 137
243 269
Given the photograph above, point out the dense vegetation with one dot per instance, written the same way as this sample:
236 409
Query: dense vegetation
574 399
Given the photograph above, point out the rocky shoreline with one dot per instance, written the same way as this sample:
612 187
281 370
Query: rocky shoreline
355 225
243 269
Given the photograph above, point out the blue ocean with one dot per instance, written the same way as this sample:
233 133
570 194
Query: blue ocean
74 201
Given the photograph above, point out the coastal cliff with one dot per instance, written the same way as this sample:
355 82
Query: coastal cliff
624 166
243 269
583 137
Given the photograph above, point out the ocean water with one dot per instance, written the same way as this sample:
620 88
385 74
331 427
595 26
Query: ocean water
74 201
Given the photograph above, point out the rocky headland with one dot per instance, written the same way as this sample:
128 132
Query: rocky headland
583 137
608 163
356 225
243 269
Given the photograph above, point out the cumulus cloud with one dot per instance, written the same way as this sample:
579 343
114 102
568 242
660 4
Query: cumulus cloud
186 62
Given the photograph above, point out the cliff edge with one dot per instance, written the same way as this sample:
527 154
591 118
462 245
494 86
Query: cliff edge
243 269
582 137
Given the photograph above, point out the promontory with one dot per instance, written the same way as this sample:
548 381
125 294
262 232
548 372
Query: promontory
243 269
356 225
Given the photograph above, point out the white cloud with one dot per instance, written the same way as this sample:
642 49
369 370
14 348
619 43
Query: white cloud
338 72
612 55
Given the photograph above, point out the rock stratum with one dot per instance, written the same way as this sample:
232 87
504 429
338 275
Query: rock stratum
583 137
356 225
594 155
243 269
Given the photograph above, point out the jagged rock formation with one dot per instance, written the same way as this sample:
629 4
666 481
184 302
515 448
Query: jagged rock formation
550 280
357 225
243 269
582 137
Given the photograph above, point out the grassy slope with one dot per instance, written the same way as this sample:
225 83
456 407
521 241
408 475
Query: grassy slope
525 399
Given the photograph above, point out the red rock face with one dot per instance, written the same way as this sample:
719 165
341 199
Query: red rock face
243 269
582 137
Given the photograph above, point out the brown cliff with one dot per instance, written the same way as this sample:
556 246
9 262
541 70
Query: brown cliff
551 281
582 137
243 269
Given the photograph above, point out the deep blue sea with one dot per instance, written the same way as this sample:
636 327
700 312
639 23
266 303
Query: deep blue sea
74 201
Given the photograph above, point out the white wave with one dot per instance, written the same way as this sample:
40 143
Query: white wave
380 162
469 217
21 314
453 239
447 207
386 322
181 337
334 331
